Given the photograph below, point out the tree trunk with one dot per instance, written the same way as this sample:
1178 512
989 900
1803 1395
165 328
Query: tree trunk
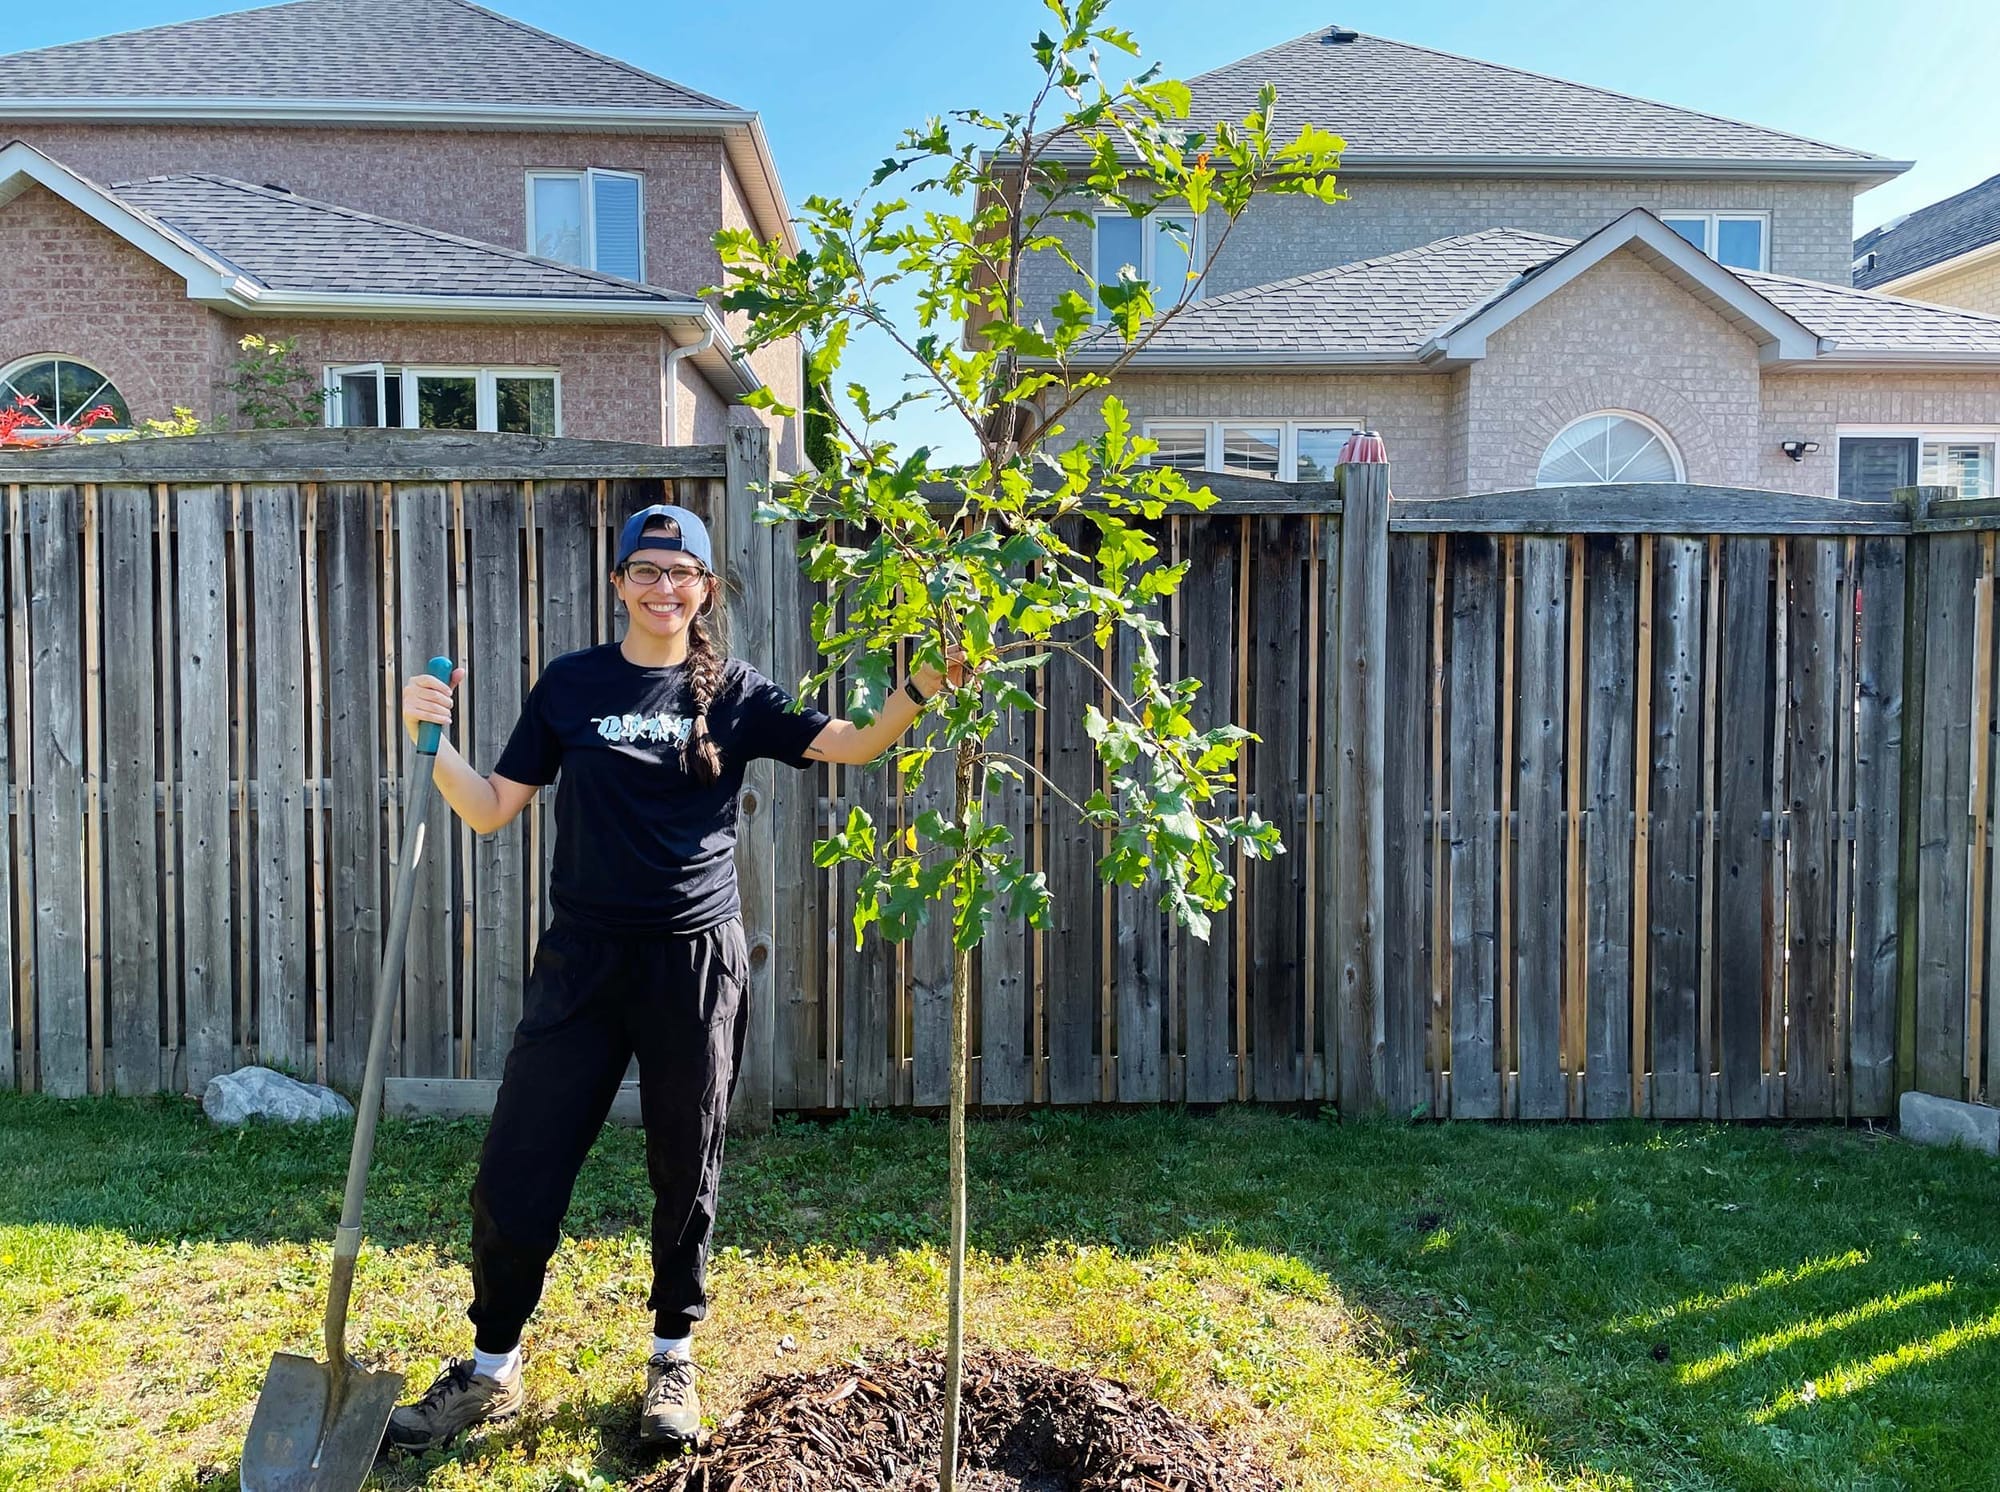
961 1001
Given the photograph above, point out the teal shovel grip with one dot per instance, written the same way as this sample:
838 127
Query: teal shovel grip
430 732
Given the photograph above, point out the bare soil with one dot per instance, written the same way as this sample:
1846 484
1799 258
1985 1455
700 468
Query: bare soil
1028 1427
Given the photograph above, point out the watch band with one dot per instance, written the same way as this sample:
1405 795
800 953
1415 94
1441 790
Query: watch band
910 688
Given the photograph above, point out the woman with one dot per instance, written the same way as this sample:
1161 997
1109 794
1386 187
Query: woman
644 956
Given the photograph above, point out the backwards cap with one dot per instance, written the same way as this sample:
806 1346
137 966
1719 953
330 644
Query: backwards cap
693 538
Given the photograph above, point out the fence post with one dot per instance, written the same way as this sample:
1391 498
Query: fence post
1358 781
747 568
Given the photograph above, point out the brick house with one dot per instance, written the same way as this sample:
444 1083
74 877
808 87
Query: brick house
464 221
1947 252
1536 282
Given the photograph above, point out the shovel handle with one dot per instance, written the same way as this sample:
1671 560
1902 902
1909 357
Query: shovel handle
347 1237
430 732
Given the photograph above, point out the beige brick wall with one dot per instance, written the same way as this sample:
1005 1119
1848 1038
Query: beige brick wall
1811 224
72 287
1811 404
1975 287
1621 336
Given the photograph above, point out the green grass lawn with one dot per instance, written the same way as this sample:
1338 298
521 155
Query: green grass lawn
1618 1306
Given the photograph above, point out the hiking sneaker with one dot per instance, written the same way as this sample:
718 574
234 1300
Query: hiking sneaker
458 1400
671 1412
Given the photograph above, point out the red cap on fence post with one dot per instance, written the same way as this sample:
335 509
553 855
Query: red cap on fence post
1364 446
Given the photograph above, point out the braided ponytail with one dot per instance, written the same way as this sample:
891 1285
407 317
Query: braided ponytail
700 757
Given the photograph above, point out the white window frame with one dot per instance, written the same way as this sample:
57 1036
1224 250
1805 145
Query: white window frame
1659 433
486 393
1710 233
1923 435
51 432
1147 269
1288 451
586 177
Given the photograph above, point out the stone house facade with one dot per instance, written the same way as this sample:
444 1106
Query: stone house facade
1534 282
513 230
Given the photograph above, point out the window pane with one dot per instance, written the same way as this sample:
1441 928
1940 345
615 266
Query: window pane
1606 448
527 405
1694 230
557 229
1966 465
1319 452
1119 241
1739 242
63 391
1871 470
358 402
447 403
392 396
1252 449
1184 446
34 384
615 203
1172 261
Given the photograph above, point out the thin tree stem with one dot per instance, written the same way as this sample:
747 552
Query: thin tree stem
961 1000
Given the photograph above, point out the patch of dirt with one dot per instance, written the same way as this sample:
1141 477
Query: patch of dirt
1029 1427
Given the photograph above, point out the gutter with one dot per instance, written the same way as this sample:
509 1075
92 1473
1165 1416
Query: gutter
1354 164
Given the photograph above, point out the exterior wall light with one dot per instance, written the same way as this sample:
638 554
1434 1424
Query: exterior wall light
1798 450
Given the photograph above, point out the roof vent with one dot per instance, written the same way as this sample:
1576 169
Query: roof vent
1339 36
278 186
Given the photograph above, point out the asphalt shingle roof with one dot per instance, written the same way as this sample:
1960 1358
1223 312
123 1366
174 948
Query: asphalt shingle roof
1391 99
286 242
397 51
1930 235
1391 306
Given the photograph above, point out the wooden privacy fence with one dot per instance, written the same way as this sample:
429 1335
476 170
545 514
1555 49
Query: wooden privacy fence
1597 801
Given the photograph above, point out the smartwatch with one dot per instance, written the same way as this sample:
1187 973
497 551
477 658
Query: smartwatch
910 688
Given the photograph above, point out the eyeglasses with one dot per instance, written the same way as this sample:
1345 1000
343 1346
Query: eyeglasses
680 577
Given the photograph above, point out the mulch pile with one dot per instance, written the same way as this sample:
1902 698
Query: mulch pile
1029 1427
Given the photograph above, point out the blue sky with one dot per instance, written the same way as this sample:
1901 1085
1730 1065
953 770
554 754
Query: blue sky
835 82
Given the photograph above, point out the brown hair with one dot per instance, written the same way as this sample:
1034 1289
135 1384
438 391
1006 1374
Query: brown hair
708 643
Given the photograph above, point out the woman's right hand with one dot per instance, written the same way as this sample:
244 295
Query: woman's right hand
425 699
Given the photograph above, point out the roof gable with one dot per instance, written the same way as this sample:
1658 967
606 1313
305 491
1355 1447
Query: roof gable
435 51
1471 111
1780 336
1944 230
207 275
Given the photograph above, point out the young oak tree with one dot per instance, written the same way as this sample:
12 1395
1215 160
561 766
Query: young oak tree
988 559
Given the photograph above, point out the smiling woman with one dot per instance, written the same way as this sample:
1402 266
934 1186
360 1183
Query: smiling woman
58 390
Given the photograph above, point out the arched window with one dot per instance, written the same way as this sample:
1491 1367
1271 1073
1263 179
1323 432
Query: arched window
1609 447
59 390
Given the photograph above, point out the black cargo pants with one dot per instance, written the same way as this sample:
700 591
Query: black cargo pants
590 1005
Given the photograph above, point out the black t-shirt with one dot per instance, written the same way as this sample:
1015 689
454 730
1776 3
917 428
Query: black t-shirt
641 848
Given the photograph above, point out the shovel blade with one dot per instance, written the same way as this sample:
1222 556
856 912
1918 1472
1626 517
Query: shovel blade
292 1447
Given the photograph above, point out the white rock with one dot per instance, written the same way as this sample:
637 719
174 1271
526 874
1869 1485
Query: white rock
259 1093
1930 1120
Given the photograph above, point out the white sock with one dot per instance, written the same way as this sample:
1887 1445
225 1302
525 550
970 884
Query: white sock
503 1366
674 1346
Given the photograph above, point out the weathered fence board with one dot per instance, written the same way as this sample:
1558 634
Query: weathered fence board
1406 937
1277 968
283 989
1943 828
13 984
1743 896
55 572
1072 943
423 613
1673 908
1206 969
1004 1004
494 671
1474 563
131 816
1878 755
202 634
1538 918
1813 985
1611 609
354 828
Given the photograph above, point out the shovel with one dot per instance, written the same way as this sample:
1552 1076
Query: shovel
318 1425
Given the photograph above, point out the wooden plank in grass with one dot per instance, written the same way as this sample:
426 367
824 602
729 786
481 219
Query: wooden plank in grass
423 564
1539 901
1610 620
1813 983
131 814
1206 969
1673 913
1473 566
1277 948
202 633
493 513
1943 829
1743 909
55 578
1406 934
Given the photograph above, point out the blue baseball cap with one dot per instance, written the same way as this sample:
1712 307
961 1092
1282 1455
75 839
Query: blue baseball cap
693 539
